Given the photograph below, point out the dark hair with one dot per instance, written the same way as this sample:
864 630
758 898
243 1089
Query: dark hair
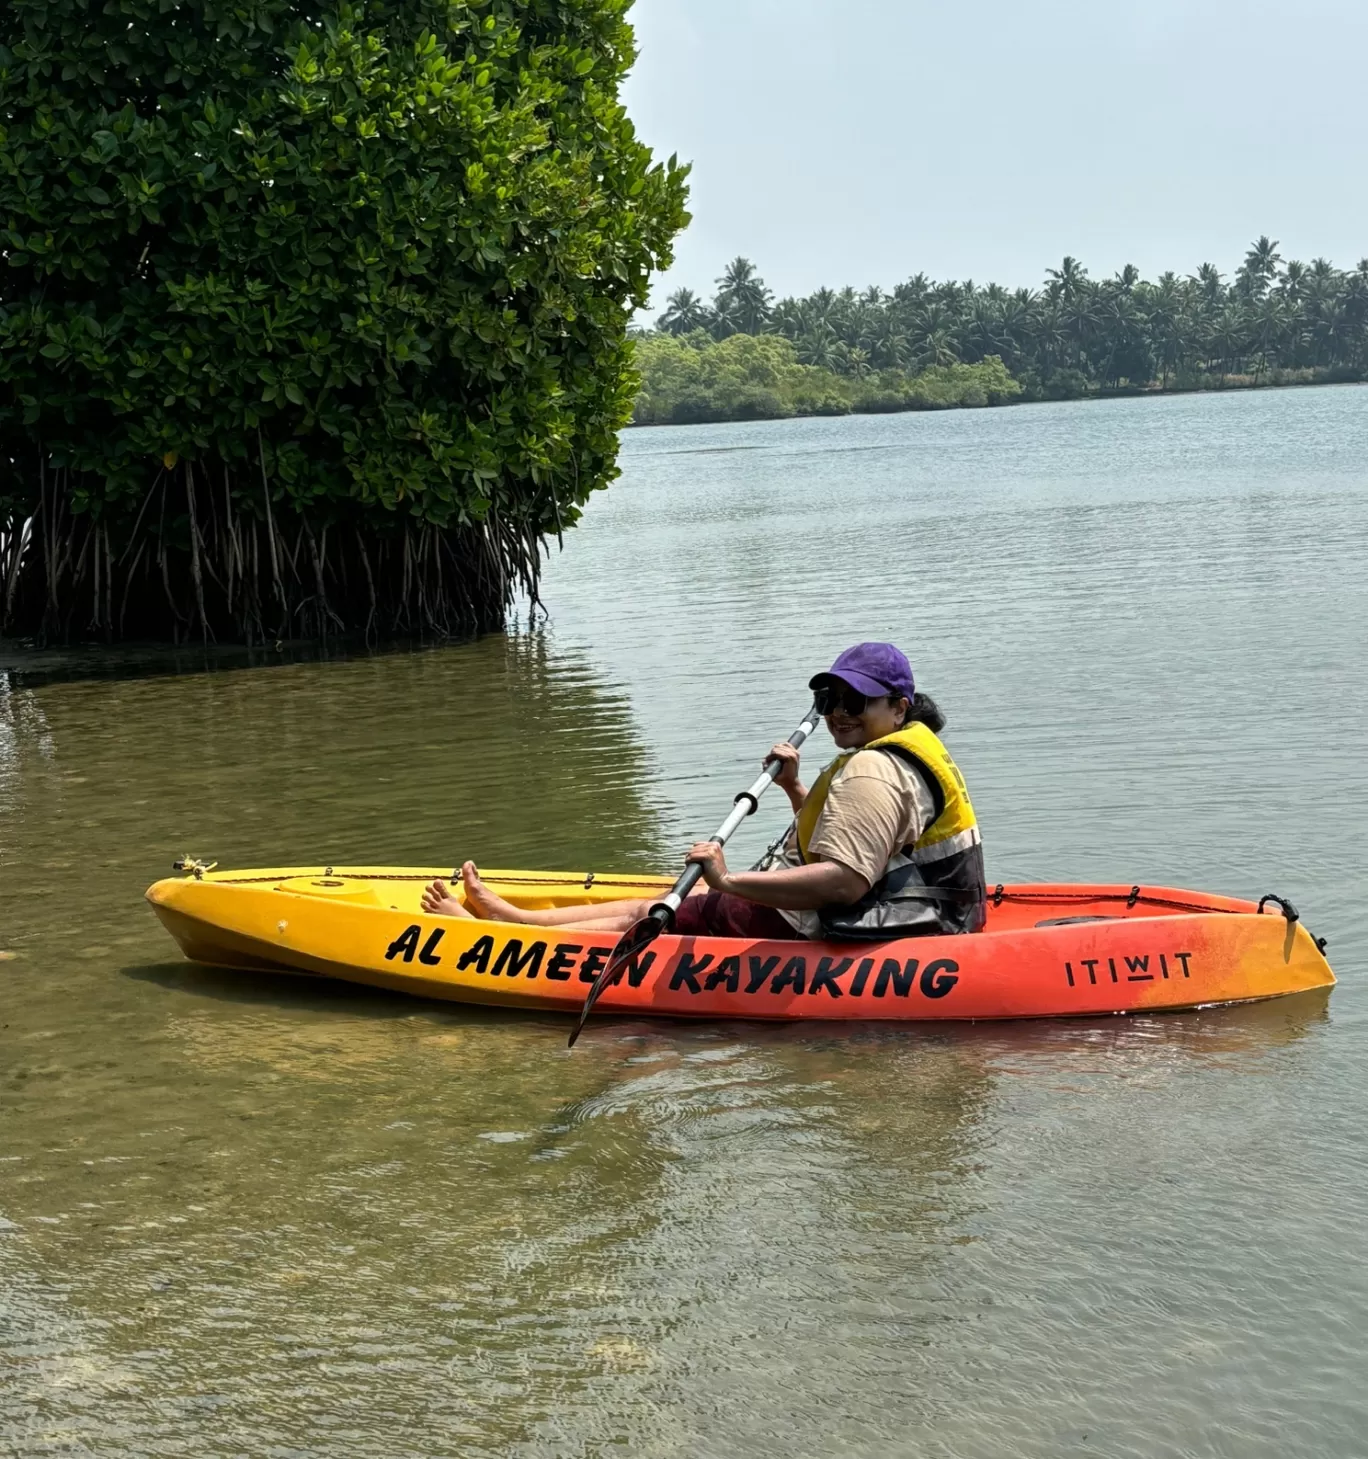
922 710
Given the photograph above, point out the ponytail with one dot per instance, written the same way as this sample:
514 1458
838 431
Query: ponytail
922 709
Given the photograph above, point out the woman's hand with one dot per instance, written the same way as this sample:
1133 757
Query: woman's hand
708 855
787 778
787 756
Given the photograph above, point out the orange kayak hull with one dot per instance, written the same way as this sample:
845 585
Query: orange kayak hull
1048 951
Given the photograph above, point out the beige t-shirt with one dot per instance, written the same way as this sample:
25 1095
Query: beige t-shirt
877 805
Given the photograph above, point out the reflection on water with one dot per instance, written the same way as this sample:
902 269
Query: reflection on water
247 1215
488 749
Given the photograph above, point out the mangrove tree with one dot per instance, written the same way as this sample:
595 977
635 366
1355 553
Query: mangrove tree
312 315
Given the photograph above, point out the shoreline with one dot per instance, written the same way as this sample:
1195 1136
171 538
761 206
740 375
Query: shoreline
1235 384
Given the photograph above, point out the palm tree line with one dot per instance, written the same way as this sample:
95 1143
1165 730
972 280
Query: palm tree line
1274 319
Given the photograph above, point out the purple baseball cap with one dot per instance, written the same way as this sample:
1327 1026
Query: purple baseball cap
873 669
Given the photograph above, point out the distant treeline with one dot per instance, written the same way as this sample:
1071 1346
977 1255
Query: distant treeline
759 377
1275 322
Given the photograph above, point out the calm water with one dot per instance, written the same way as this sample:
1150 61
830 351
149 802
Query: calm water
240 1217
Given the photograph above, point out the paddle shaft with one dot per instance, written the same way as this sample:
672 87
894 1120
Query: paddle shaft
747 803
662 914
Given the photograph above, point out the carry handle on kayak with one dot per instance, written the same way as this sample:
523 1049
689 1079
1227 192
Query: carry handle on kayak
661 916
1288 910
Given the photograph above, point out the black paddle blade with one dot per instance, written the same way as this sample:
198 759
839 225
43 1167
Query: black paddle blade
638 937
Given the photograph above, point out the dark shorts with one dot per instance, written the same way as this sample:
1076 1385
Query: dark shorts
719 914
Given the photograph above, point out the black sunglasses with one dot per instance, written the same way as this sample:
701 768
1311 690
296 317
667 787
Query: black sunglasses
833 696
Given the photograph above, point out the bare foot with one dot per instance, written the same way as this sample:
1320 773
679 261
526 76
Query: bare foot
438 902
485 903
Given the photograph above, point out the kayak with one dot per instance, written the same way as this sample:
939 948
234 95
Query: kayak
1047 950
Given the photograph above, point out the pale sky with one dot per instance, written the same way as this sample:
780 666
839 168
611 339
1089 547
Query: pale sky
860 141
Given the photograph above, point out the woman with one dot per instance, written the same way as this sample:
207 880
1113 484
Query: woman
884 844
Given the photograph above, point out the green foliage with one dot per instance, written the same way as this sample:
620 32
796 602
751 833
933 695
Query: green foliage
745 377
1075 335
945 387
759 377
381 254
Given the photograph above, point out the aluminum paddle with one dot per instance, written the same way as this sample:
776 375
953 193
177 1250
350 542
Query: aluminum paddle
661 917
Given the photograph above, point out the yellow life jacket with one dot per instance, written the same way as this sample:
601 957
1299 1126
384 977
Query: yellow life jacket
937 884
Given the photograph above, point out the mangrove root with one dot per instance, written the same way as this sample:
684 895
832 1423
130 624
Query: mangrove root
207 557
